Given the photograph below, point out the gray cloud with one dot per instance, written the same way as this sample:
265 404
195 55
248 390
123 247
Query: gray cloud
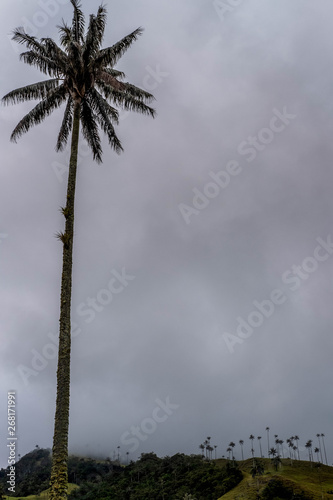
162 336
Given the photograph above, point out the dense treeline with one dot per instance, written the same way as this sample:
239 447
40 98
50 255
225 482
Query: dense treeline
166 478
150 477
34 469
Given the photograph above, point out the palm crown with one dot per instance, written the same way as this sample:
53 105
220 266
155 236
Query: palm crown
81 73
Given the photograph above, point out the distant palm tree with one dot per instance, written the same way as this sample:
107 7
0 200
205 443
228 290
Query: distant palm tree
272 451
308 445
241 442
267 429
321 456
290 444
317 450
322 437
229 450
208 447
215 446
232 445
297 439
259 439
277 442
252 439
82 76
202 448
205 444
281 445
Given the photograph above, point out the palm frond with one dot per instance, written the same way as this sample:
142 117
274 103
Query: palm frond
95 34
66 35
78 22
37 90
53 100
138 93
31 42
124 100
66 125
103 114
114 72
43 63
98 102
54 52
110 80
75 57
90 130
111 55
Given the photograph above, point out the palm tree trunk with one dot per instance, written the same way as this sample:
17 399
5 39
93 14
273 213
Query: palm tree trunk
59 472
322 437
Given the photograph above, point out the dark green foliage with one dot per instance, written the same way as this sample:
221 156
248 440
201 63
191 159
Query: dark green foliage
32 473
278 490
34 469
168 478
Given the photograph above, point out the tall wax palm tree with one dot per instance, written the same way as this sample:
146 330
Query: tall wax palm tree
290 444
267 430
308 445
81 76
251 439
206 444
252 449
281 444
322 438
259 440
241 442
297 439
202 448
321 455
232 446
317 450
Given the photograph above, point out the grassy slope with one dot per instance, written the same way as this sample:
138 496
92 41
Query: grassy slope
42 496
299 475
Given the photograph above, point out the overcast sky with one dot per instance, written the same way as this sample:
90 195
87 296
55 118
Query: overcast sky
203 256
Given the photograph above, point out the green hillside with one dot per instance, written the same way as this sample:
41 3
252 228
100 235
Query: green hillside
42 496
172 478
299 478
